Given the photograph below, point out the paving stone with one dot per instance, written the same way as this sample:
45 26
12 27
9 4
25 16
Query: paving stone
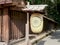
53 39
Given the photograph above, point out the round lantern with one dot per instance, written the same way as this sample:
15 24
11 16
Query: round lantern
36 23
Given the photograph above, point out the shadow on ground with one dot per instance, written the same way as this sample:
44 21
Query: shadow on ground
56 35
41 43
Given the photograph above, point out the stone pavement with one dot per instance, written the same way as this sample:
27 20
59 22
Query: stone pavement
3 43
53 39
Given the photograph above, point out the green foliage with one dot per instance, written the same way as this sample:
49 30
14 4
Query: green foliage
51 9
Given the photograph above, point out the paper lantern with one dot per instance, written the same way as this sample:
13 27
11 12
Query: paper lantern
36 23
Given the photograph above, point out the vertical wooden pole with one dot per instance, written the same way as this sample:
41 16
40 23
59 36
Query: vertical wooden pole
5 25
0 24
27 30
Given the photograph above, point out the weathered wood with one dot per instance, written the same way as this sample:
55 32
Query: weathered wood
40 36
0 25
16 34
8 1
50 19
27 30
5 1
16 3
17 25
2 1
5 31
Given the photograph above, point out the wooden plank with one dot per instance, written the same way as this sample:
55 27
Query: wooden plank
50 19
17 25
16 41
8 1
41 36
5 31
2 1
5 1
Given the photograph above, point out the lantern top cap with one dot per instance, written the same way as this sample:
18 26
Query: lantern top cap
35 7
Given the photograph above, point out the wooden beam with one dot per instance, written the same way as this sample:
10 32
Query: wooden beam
8 1
5 1
5 31
50 19
2 1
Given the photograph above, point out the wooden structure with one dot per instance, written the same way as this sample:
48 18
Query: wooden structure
12 3
14 21
6 24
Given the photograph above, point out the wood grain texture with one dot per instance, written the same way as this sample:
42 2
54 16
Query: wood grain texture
2 1
5 1
5 31
18 21
0 25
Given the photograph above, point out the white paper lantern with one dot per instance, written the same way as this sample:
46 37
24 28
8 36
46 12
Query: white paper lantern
36 23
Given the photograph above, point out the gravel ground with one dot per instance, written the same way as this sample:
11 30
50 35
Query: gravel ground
53 39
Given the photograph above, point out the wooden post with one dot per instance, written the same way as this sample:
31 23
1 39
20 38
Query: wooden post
27 30
5 31
0 25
